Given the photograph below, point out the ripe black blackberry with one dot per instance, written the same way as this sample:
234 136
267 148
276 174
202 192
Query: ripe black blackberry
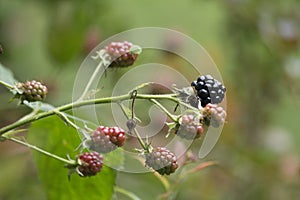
122 54
106 139
190 127
214 115
89 164
209 90
162 160
32 91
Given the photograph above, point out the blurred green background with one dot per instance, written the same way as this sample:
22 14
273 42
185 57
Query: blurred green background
254 43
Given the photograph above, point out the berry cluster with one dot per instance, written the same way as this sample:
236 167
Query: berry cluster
209 90
190 127
162 160
106 139
32 91
89 163
214 115
121 54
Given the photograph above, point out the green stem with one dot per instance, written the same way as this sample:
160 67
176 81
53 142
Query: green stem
129 194
171 97
7 85
67 120
10 134
87 87
134 130
71 162
144 85
164 181
172 117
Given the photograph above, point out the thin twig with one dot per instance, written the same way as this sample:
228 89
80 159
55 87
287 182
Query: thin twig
172 117
127 193
134 130
87 87
71 162
67 120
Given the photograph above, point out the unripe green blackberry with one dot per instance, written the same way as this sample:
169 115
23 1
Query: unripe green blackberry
89 164
162 160
106 139
32 91
214 115
121 54
131 124
209 90
190 127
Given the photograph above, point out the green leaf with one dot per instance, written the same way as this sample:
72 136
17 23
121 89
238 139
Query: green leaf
38 105
115 159
7 78
52 135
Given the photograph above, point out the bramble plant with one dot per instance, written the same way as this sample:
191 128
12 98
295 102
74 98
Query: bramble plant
200 102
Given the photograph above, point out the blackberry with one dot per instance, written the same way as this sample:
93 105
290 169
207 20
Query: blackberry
89 164
122 54
190 127
106 139
162 160
214 115
32 91
209 90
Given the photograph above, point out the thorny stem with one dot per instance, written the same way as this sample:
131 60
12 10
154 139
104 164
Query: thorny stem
115 99
71 162
67 120
172 117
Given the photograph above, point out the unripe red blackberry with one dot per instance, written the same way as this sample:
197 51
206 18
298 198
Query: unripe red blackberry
32 91
89 164
122 54
190 127
209 90
214 115
106 139
162 160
